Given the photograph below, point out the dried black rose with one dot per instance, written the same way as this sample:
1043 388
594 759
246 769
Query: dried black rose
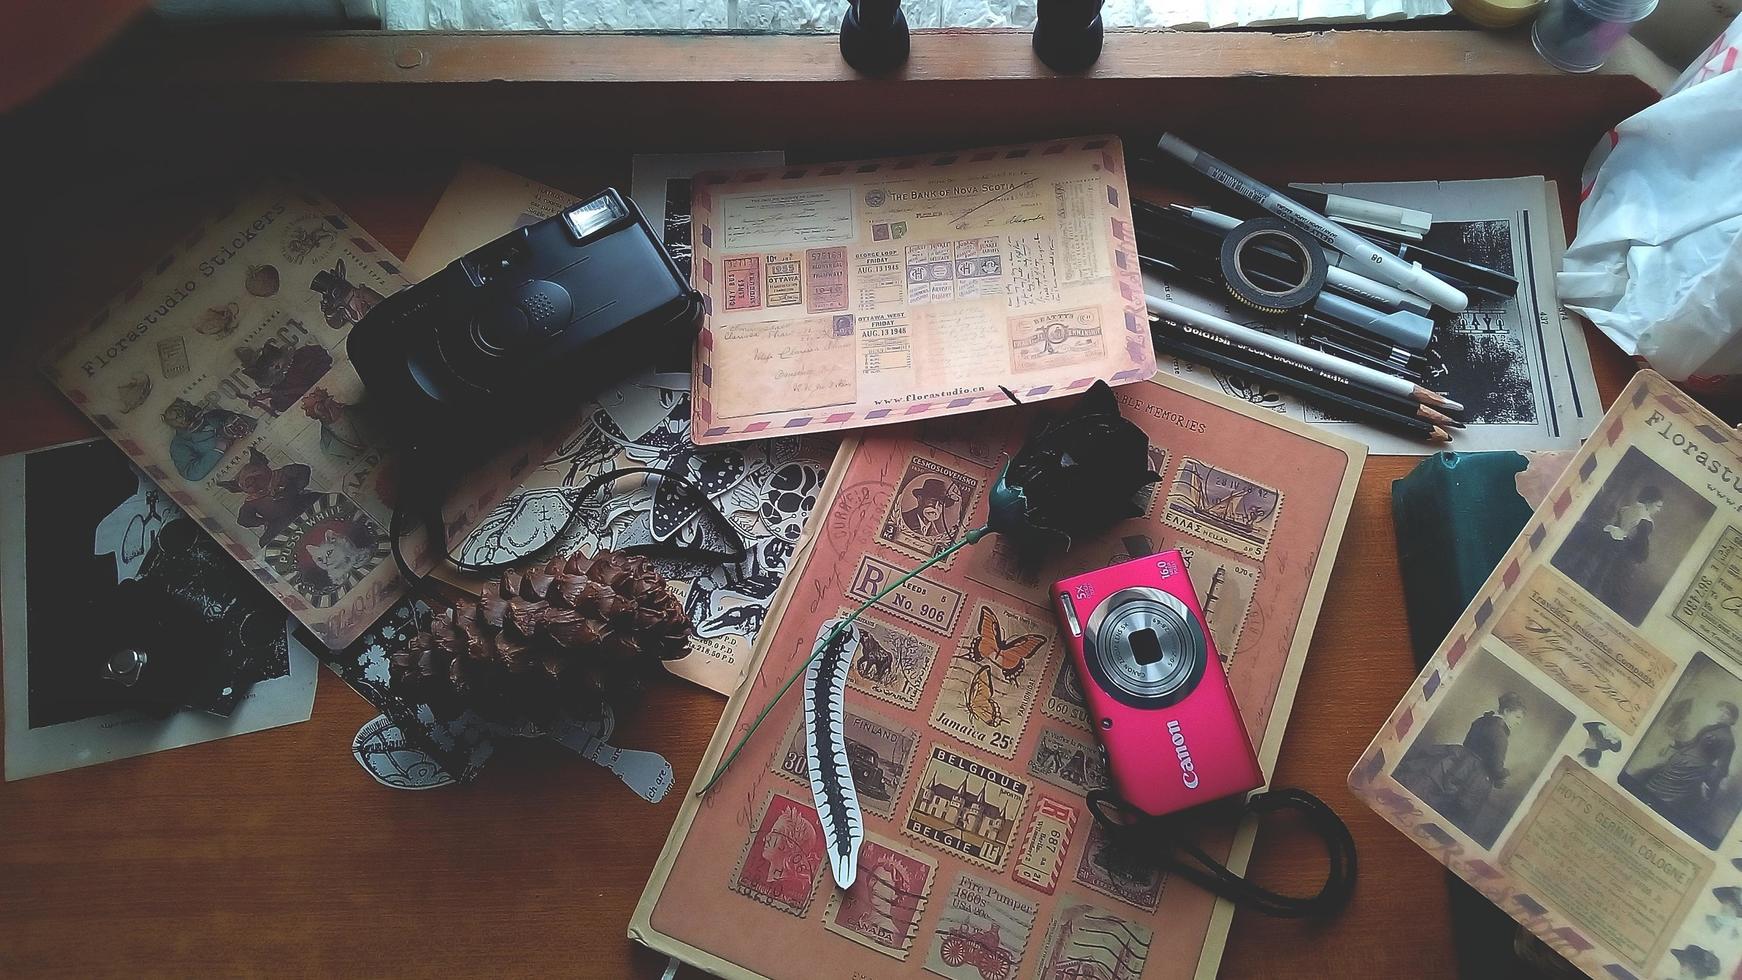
1075 474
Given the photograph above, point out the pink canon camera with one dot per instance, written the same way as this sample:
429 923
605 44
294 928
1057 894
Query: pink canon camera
1154 685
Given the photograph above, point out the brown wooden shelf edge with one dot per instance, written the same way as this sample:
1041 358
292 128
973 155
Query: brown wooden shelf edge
416 58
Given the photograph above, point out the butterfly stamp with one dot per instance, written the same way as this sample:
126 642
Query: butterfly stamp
891 664
966 808
929 510
1117 873
879 753
982 933
1064 698
784 858
1042 857
1225 586
1224 509
1070 763
1084 940
991 684
882 909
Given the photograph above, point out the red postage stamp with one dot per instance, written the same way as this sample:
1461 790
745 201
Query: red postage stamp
782 859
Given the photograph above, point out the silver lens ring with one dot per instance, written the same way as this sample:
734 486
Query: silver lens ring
1174 641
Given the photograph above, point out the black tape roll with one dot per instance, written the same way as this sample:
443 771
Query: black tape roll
1264 292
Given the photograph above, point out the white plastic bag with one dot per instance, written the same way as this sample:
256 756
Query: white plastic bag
1657 263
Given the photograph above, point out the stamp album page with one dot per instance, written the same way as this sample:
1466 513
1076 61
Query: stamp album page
966 727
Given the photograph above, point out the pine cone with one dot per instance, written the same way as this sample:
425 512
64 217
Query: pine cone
548 642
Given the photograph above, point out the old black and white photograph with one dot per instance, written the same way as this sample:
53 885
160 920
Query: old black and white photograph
1632 535
1684 765
1483 747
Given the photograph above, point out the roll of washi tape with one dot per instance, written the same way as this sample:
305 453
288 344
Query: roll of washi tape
1261 292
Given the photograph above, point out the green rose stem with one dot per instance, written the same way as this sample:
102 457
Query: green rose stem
962 542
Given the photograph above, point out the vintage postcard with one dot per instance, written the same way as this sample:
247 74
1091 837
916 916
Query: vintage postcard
966 658
882 909
223 374
846 294
1570 749
983 931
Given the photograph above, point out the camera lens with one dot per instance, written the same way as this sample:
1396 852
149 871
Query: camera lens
1145 648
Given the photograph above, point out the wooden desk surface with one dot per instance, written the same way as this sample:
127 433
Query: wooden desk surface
274 853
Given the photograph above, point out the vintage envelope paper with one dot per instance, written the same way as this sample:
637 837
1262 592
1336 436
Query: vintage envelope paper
1570 749
851 294
223 374
969 804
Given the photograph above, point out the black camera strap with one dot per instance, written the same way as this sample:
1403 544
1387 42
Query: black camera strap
1160 843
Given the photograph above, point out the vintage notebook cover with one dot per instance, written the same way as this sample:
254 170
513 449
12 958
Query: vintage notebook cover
1258 502
222 373
842 295
1569 750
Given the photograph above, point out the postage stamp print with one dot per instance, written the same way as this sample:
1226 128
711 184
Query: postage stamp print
1041 342
1068 762
1118 874
982 932
1222 508
892 664
993 679
783 285
882 909
825 279
743 282
1086 941
920 600
966 808
1042 857
929 509
1064 697
1225 586
879 752
783 859
1151 493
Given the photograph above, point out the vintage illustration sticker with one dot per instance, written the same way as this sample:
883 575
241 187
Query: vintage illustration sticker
982 933
991 683
966 808
879 752
882 909
1214 505
783 860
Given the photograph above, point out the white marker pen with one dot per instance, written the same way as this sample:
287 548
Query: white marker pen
1373 260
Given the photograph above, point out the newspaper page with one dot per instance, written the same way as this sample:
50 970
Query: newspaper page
1520 367
980 857
764 489
222 373
850 294
1570 749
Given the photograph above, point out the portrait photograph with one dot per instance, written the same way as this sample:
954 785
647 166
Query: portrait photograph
1632 536
1483 747
1684 765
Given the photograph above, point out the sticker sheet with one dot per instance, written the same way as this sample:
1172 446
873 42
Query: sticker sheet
966 731
1570 749
843 295
223 374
